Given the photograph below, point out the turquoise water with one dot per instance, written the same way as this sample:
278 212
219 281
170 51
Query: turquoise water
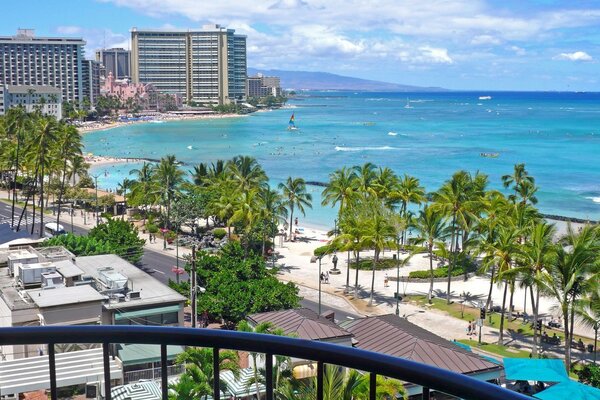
557 135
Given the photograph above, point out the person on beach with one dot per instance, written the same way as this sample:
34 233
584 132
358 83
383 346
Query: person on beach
385 280
296 222
469 328
327 277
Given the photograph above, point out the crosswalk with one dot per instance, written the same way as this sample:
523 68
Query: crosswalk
24 222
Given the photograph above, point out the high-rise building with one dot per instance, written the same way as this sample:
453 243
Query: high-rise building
204 66
44 61
117 61
261 86
91 80
46 99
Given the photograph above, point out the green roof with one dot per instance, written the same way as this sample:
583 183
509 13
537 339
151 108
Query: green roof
135 353
146 312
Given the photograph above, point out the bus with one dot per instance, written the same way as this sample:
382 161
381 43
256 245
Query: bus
52 229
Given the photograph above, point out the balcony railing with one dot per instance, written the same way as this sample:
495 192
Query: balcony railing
152 373
430 378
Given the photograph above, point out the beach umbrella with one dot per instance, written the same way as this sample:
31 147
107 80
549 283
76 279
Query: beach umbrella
149 390
533 369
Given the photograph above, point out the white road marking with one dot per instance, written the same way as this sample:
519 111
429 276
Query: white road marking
160 272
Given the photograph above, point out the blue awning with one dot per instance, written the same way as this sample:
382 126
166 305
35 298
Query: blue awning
533 369
569 390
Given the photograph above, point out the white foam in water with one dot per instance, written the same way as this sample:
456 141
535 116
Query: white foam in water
190 147
343 148
594 199
392 133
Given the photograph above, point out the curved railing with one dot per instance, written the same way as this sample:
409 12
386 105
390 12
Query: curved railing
323 353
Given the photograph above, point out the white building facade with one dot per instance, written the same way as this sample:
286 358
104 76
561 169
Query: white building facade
46 99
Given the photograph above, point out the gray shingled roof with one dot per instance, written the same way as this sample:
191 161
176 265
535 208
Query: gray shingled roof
302 323
389 334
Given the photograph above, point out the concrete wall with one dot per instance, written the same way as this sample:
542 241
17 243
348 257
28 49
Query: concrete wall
72 313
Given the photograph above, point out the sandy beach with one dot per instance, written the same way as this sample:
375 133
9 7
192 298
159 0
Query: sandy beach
86 127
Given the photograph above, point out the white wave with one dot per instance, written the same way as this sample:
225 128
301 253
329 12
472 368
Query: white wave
594 199
157 122
420 101
189 147
366 148
392 133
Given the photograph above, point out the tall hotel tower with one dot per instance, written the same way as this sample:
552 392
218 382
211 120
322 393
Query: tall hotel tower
204 66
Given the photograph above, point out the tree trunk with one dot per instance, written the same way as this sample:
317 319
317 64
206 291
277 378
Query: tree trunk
510 302
291 220
356 281
567 337
489 298
375 259
42 198
60 192
430 274
534 306
501 334
14 199
348 273
452 251
33 207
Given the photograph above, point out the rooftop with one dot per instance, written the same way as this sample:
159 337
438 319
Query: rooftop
151 291
389 334
303 323
38 89
64 295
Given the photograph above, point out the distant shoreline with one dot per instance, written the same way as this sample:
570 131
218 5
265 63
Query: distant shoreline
160 118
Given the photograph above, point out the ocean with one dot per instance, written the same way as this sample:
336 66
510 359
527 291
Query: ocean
428 135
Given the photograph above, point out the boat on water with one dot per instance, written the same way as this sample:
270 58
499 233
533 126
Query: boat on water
292 124
489 155
485 97
407 103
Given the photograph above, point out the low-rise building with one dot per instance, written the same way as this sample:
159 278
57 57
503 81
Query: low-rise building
47 99
262 86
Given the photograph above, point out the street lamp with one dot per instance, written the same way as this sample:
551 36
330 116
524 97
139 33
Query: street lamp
96 186
356 280
320 281
397 259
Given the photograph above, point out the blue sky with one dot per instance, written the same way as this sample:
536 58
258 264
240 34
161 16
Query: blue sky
457 44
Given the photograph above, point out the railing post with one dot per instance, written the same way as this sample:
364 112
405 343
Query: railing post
320 380
163 372
372 386
52 368
269 375
216 375
425 393
106 359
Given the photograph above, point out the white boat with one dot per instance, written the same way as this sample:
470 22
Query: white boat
485 97
407 103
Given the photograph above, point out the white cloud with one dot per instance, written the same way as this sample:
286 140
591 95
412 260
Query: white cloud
576 56
485 39
518 50
68 30
435 55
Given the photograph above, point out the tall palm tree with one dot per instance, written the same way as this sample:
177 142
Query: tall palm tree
340 189
379 235
571 274
247 172
430 228
538 252
294 191
353 230
122 189
69 148
451 199
385 184
409 191
263 328
272 211
517 179
588 312
42 141
365 179
17 123
168 178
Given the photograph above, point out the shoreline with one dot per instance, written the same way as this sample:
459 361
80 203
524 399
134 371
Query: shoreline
159 119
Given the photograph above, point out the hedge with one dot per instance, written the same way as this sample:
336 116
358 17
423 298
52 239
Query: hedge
441 272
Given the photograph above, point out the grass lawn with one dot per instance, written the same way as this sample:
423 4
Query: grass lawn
496 349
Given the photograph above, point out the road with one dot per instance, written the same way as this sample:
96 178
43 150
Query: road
154 263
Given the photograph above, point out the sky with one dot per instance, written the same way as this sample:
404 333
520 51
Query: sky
455 44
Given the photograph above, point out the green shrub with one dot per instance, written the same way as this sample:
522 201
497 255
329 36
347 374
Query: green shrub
441 272
151 228
366 264
220 233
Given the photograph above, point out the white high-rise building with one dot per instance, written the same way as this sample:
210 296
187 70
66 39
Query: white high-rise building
204 66
46 99
43 61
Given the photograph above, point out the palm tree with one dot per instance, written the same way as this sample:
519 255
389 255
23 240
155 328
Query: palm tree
503 252
202 359
43 138
294 191
341 189
352 226
538 252
385 184
143 188
263 328
409 191
365 179
571 274
247 172
122 189
588 312
451 199
17 122
430 228
192 385
246 206
69 148
168 177
518 177
379 235
272 211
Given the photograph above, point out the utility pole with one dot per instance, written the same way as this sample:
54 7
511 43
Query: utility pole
96 186
320 281
396 258
193 287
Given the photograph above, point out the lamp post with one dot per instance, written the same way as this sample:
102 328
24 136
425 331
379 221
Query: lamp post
96 186
396 258
72 212
356 266
320 281
348 274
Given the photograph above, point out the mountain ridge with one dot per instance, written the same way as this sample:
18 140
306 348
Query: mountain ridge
316 80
